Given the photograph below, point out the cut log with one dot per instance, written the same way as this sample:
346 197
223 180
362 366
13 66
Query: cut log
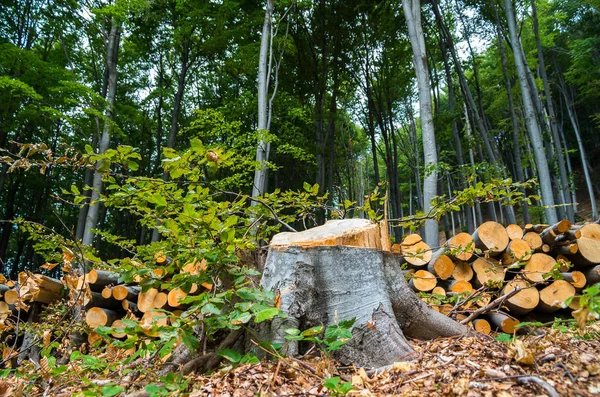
102 277
99 316
107 292
590 230
130 306
534 240
523 301
546 248
535 228
488 272
416 255
514 231
538 265
592 275
567 236
160 300
4 308
118 324
491 237
349 232
564 263
462 271
129 292
441 266
11 297
502 322
482 326
517 251
95 299
554 296
576 278
588 251
423 281
176 295
438 291
146 300
93 338
457 286
569 249
461 246
153 318
325 285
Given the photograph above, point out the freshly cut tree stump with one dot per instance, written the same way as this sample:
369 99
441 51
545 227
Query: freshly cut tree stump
99 316
554 296
491 237
423 281
439 291
502 322
350 232
482 326
324 285
538 265
488 271
441 266
523 301
514 231
534 240
517 251
457 286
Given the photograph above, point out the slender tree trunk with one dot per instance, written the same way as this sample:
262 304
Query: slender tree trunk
533 127
262 150
513 116
112 51
412 12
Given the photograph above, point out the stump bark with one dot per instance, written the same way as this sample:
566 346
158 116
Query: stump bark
328 284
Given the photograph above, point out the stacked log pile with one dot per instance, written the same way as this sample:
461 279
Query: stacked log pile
536 269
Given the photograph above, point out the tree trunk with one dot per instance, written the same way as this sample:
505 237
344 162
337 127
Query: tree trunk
533 127
112 51
262 150
325 285
412 12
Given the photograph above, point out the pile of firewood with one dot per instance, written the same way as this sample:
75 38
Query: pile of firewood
536 268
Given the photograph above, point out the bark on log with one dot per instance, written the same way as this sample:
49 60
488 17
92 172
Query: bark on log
491 237
592 275
323 285
576 278
501 321
102 277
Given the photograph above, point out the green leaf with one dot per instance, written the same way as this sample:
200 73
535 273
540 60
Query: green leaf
111 390
307 187
313 331
503 338
189 339
132 165
266 314
332 383
231 355
210 308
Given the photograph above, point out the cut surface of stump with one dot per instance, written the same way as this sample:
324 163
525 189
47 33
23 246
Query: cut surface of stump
441 267
517 251
462 271
538 265
350 232
523 301
325 285
514 231
416 254
534 240
99 316
588 251
482 326
491 237
554 296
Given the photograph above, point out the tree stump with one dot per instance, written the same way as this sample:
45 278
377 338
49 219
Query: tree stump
328 284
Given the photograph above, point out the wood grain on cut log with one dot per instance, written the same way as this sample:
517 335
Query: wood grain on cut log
146 300
457 286
11 297
422 281
523 301
160 300
535 228
438 291
99 316
588 251
590 230
349 232
462 271
502 322
129 292
491 237
107 292
441 266
461 246
488 272
324 285
534 240
514 231
554 296
416 252
119 327
175 296
517 251
538 265
482 326
576 278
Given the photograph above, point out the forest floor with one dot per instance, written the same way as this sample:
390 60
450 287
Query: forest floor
554 361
